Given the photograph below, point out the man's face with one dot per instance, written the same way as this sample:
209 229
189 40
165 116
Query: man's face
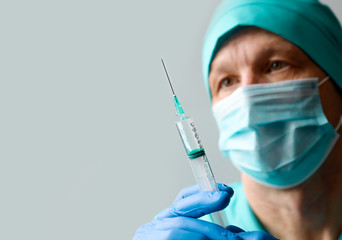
255 56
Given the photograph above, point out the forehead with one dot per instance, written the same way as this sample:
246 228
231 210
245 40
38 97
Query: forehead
254 41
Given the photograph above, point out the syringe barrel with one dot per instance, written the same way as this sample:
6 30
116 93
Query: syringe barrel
188 133
203 174
198 160
199 163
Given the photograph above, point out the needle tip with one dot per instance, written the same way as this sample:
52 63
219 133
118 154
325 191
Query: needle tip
168 78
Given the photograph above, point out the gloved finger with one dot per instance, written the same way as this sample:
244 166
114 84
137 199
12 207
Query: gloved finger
174 234
188 191
256 235
198 205
207 229
150 232
234 229
179 234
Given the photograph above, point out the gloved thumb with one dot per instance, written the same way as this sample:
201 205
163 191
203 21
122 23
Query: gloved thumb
199 204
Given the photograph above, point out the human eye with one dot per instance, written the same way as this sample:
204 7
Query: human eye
226 83
277 65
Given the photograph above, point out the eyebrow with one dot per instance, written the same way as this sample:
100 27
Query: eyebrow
289 50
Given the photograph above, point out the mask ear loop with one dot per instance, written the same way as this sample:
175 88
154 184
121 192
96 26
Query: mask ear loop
323 81
339 124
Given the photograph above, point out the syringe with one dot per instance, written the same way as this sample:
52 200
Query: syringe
196 154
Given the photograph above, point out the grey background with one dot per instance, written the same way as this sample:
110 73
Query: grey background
88 146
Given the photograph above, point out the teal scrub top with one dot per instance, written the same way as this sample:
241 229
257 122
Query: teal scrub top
240 214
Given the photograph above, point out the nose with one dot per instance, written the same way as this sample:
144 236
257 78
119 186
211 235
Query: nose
250 78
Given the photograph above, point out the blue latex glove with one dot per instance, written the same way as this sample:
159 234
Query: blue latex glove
179 221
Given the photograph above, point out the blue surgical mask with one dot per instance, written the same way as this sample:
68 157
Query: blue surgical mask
276 133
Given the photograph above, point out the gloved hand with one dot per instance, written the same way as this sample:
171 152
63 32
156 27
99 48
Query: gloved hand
178 222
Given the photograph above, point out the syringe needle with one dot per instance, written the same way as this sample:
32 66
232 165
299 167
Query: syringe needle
173 92
179 109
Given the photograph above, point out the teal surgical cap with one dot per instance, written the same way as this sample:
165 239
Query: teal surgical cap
308 24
